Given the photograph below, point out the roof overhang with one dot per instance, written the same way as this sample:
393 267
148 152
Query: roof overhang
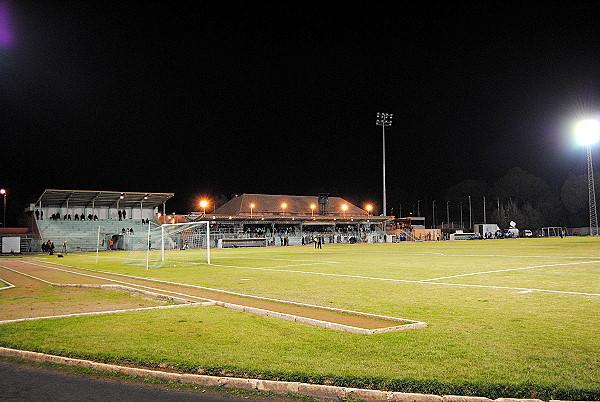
85 198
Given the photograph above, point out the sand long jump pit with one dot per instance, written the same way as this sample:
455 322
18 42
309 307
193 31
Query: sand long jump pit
83 291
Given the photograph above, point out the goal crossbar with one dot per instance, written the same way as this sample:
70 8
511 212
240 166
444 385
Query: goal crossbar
167 225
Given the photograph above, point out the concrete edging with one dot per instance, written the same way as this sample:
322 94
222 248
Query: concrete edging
407 324
250 384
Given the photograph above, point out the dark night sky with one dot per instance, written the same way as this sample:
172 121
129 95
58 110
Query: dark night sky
229 97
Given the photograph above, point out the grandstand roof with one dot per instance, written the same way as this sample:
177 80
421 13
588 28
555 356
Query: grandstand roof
265 204
85 198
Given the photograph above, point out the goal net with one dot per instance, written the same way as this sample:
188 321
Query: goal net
170 245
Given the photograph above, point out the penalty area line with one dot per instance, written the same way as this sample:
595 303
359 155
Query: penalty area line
509 269
422 282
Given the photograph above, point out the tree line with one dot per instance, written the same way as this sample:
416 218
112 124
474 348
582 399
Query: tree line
518 196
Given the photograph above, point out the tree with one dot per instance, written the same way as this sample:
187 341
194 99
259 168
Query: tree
476 189
522 187
575 198
507 213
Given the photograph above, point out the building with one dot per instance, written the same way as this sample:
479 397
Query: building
296 218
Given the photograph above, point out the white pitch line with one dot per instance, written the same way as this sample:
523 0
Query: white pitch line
522 290
461 255
509 269
133 285
422 282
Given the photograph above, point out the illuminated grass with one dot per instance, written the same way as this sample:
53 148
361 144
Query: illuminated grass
495 340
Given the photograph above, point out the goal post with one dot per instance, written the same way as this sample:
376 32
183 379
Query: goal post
170 245
190 237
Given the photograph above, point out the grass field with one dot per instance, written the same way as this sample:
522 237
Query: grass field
506 318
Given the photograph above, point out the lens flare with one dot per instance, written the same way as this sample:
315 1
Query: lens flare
6 36
587 131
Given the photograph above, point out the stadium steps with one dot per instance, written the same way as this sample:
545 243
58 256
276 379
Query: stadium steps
82 235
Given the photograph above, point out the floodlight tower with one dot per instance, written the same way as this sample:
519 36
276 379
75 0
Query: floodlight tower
588 133
3 193
384 120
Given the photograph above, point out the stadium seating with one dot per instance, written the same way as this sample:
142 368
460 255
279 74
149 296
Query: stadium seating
83 235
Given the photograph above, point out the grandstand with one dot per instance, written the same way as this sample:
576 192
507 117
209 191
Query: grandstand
80 216
116 220
293 220
85 219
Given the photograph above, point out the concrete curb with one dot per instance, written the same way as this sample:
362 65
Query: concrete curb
250 384
108 312
405 324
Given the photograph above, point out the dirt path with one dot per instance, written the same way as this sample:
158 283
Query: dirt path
31 298
68 275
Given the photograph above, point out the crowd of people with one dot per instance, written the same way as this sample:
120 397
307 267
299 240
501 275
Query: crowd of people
48 247
67 217
122 215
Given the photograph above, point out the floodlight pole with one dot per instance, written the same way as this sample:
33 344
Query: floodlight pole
484 218
3 192
592 195
383 120
470 214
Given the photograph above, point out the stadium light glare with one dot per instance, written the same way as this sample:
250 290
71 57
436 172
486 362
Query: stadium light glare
344 208
369 208
203 204
252 205
587 132
283 207
312 209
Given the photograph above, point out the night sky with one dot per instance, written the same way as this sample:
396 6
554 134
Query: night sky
217 98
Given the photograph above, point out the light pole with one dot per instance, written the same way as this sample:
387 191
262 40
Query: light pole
448 213
251 209
203 204
384 120
312 209
418 207
433 215
3 192
484 218
588 133
470 214
461 216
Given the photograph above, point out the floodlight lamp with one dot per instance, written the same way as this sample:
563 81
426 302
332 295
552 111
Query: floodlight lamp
252 205
2 191
587 132
344 207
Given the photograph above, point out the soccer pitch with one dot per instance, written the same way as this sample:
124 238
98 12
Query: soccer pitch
506 318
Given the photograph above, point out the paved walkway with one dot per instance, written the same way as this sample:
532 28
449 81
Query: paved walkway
24 381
